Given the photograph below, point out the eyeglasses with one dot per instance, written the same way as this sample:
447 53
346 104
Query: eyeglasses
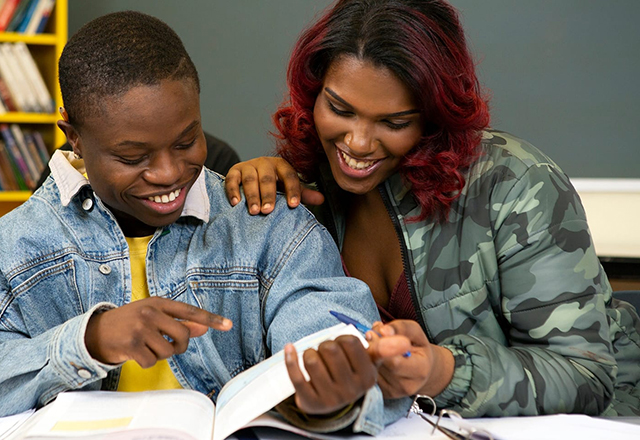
453 426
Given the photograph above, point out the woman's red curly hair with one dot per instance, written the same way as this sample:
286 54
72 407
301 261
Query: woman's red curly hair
423 44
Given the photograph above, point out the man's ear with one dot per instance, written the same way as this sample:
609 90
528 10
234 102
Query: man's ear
73 137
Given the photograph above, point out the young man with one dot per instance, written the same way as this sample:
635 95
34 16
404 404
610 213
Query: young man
117 273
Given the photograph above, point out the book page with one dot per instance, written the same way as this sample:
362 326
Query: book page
167 415
261 387
10 424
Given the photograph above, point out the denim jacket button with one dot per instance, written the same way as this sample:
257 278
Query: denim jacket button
85 374
87 204
104 269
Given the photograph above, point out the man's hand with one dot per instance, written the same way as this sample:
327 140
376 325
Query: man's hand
340 371
137 330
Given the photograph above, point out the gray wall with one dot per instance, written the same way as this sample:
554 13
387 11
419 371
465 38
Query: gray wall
563 74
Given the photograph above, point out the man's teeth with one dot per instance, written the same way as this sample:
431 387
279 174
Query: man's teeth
165 198
356 164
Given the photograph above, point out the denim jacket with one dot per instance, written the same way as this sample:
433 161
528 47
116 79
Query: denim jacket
63 256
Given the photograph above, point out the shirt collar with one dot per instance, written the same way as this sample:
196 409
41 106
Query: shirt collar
68 173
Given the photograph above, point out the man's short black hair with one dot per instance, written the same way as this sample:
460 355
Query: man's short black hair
113 53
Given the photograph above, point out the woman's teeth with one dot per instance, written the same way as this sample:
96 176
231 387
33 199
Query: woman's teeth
356 164
165 198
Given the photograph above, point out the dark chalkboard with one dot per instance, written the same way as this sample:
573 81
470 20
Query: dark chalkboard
563 74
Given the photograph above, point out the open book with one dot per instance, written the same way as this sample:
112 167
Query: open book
175 414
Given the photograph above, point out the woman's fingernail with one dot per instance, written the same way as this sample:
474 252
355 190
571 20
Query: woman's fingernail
293 200
266 206
234 201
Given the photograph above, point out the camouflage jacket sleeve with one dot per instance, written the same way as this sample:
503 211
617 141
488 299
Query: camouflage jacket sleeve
551 308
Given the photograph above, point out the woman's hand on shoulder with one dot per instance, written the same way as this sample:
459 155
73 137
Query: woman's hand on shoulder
260 179
428 370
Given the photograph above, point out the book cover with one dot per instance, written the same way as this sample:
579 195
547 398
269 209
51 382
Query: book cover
17 160
38 88
6 13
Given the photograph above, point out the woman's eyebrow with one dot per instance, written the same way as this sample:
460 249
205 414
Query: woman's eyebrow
390 115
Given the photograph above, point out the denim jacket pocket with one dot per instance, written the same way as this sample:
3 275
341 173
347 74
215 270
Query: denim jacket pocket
48 297
234 294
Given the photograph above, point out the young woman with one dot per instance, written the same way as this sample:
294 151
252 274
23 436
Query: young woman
474 243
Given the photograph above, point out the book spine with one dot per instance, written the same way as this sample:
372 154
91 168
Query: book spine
16 157
6 97
10 183
45 16
21 142
7 74
15 78
36 18
32 150
18 15
41 146
28 14
7 11
28 64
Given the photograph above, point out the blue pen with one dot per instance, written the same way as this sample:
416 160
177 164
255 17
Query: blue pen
361 327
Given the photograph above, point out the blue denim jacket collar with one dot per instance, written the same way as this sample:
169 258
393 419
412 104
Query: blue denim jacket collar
68 173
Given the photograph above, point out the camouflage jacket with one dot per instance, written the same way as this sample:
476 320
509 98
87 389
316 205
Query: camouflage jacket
511 284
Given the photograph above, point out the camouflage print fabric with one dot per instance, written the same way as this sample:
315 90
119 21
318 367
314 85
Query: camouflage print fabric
511 284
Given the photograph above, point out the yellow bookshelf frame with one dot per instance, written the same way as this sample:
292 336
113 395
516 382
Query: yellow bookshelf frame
46 49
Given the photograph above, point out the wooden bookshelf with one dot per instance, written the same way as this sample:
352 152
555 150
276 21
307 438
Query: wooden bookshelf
46 49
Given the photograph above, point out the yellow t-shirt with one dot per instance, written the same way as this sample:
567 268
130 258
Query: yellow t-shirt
132 376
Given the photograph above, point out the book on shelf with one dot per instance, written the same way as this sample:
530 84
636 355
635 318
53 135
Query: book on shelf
28 14
14 83
34 77
18 15
177 414
10 170
6 98
33 165
6 12
7 180
19 163
34 153
24 83
41 147
40 17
